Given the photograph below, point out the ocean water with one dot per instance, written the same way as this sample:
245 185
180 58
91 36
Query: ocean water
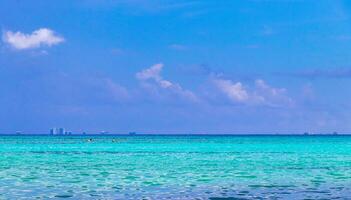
175 167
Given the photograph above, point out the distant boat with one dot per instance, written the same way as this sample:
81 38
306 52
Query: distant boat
335 133
306 133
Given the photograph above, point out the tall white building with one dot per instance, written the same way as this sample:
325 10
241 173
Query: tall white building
53 131
57 131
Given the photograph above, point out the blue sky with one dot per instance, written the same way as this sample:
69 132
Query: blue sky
253 66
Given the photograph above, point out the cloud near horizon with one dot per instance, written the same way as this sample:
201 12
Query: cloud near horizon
153 75
38 38
235 91
260 94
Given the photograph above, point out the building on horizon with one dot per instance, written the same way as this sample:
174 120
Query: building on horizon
68 133
59 131
53 131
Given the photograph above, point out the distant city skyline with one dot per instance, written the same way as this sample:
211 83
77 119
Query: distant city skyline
175 67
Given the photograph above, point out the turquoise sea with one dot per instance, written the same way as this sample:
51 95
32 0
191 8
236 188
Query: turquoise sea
175 167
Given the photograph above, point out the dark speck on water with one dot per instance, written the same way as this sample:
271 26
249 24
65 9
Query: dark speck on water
63 196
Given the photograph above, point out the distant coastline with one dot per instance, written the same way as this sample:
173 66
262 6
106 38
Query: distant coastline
166 135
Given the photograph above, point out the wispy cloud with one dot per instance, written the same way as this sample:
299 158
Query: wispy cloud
260 94
87 89
38 38
153 75
271 96
235 91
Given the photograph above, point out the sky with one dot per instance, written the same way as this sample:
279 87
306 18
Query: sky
175 67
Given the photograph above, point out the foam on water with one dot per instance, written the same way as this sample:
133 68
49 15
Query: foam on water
175 167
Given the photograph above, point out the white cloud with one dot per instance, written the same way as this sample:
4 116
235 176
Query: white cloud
153 74
38 38
271 96
262 86
260 94
235 91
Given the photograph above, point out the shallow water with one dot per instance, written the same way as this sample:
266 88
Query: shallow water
175 167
